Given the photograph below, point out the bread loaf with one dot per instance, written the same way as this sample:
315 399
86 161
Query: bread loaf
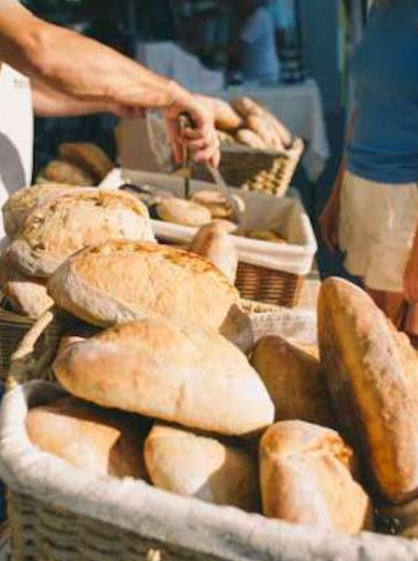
245 106
294 380
58 171
251 139
202 467
226 118
372 375
180 211
18 207
27 296
65 224
88 157
96 440
306 478
212 242
178 374
117 282
215 202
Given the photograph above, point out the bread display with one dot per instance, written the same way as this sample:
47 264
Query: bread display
89 157
179 374
27 296
58 171
63 225
18 207
372 375
212 242
200 466
96 440
186 213
122 281
294 380
306 478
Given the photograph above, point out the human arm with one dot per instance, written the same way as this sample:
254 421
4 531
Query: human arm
89 72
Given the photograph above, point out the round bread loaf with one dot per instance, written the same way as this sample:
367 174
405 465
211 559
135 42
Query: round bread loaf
27 296
87 156
191 376
66 224
96 440
18 207
215 202
58 171
122 281
186 213
211 241
306 478
294 381
372 376
200 466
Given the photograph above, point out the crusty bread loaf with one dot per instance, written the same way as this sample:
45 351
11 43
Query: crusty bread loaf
180 211
306 478
211 241
96 440
372 375
227 226
122 281
202 467
251 139
179 374
18 207
89 157
294 380
58 171
65 224
27 296
215 202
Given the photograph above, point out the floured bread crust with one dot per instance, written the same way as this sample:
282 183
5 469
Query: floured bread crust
179 374
120 281
66 224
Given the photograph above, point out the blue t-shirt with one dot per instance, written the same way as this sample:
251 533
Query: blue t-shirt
384 145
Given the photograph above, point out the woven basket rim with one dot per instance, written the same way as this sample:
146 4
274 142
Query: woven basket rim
137 507
295 151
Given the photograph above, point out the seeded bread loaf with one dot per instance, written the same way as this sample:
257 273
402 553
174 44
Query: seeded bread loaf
66 224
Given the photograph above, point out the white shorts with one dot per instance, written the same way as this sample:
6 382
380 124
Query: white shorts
377 227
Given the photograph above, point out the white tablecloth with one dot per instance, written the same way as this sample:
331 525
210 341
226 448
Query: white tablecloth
299 107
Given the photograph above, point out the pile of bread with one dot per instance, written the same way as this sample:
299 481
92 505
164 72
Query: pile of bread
78 163
245 121
172 388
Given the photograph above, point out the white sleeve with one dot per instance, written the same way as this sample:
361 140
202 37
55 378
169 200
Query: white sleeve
254 28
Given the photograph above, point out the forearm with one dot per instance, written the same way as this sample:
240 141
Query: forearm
76 65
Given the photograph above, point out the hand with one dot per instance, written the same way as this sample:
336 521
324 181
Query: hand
202 140
328 222
410 277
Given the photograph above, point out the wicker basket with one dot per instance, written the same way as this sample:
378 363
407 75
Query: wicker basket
60 513
257 170
13 327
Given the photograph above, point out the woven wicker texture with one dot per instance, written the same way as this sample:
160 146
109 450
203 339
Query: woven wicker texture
256 170
59 513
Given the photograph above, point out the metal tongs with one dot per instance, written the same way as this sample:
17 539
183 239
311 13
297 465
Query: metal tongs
186 122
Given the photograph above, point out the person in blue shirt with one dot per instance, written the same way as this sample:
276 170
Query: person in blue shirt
372 213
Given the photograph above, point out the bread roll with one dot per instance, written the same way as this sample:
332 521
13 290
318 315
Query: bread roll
294 380
245 106
226 118
18 207
306 479
65 224
64 172
88 157
251 139
202 467
186 213
28 296
372 375
225 138
179 374
122 281
212 242
215 202
226 225
96 440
